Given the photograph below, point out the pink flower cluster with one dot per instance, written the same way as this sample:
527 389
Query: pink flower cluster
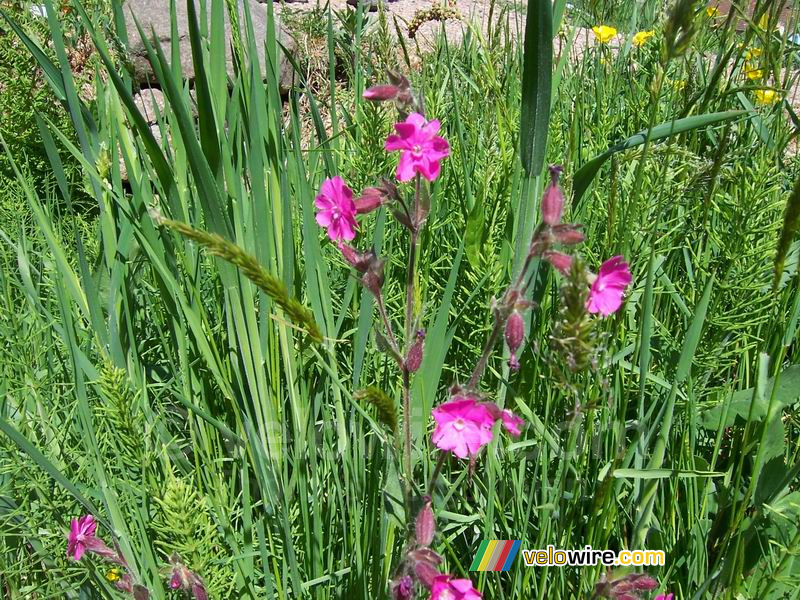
464 424
421 152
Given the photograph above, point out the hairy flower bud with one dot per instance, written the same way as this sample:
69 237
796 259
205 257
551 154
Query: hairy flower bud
381 92
370 199
425 525
414 358
360 260
373 276
553 199
402 588
561 261
426 573
514 334
567 234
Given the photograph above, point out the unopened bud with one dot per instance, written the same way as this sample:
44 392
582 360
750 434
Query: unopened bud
414 358
370 199
373 276
199 591
402 588
360 260
515 331
425 525
553 199
561 261
426 573
514 334
567 235
381 92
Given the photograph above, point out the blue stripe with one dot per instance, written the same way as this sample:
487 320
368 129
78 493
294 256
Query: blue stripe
511 554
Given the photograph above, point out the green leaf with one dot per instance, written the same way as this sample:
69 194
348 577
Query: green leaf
791 221
475 232
584 176
537 72
738 406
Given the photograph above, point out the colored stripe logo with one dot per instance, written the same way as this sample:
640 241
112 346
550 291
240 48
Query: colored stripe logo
495 555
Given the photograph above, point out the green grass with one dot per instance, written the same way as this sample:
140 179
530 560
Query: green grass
147 382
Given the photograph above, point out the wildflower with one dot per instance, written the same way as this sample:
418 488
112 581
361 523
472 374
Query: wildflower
370 199
605 296
763 22
767 97
640 39
463 426
336 209
553 199
445 588
514 334
567 234
753 74
381 92
511 422
81 536
421 148
113 575
752 53
712 12
402 588
360 260
604 33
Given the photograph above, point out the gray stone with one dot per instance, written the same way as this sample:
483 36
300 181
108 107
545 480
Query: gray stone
154 18
150 102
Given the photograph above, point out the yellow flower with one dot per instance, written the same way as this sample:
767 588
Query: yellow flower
767 97
753 74
712 11
113 575
640 39
763 22
604 33
752 53
679 84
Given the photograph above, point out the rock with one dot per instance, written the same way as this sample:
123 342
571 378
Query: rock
154 18
150 103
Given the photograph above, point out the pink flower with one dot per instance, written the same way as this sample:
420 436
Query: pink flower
665 597
605 297
463 426
81 536
511 422
421 148
337 211
445 588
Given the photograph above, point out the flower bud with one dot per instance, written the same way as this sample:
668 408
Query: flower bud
515 331
381 92
414 358
370 199
360 260
426 573
567 234
402 588
373 276
425 525
553 199
561 261
514 334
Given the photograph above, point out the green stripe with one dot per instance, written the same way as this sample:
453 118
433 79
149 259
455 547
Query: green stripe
479 556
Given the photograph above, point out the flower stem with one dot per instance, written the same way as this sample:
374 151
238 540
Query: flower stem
436 471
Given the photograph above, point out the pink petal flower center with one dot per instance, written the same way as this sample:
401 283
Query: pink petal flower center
458 424
417 150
